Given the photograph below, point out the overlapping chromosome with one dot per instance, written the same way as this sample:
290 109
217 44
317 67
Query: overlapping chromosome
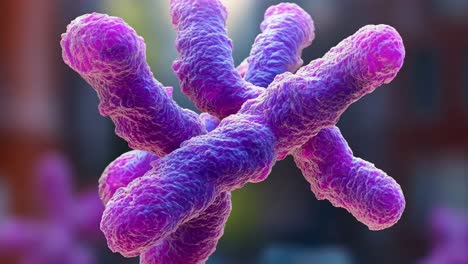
168 199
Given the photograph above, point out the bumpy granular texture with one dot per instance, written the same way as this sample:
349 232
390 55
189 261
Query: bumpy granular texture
205 65
259 127
366 192
286 30
326 160
243 148
58 235
120 172
109 55
209 121
185 183
194 241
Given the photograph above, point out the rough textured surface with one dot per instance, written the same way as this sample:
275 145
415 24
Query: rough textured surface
123 170
286 30
326 160
66 222
297 107
378 206
242 149
192 242
366 192
183 187
205 66
111 57
209 121
185 183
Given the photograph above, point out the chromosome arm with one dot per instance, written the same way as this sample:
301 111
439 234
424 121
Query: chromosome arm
205 66
286 30
326 161
193 242
369 194
111 57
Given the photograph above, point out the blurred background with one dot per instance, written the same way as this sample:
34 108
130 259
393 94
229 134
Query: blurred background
415 129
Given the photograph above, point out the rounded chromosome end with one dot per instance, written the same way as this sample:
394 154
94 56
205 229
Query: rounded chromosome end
298 106
369 194
281 15
205 66
374 198
101 45
124 169
151 207
364 61
385 53
184 183
111 57
286 30
194 241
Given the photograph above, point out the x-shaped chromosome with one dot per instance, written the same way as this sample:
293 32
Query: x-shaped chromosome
168 199
58 236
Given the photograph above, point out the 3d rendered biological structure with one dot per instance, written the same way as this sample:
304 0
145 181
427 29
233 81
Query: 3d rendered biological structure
66 225
169 198
449 232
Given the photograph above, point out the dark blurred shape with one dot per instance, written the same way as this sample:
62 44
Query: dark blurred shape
281 254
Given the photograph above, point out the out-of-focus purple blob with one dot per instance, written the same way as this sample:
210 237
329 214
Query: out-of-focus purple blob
111 57
66 222
449 232
54 184
88 213
18 235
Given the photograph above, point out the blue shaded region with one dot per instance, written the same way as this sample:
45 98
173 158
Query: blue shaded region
425 92
281 254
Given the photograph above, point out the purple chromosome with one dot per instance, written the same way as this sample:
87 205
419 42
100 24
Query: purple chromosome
162 203
65 224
